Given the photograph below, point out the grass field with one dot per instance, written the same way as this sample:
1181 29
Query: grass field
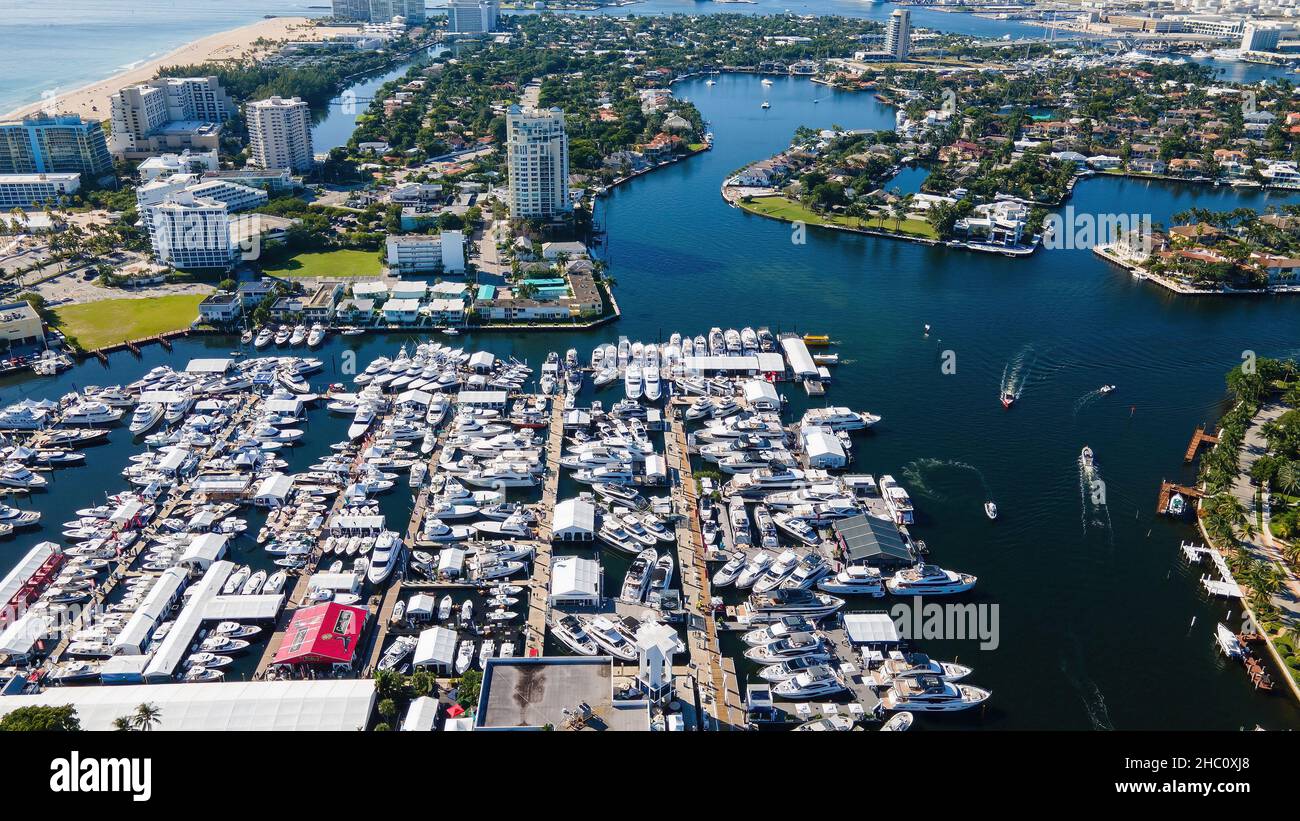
791 211
341 263
96 324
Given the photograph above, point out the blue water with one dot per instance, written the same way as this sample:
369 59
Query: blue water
1096 610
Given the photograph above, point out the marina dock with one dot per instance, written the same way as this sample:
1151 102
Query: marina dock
1225 586
1198 438
1168 489
540 586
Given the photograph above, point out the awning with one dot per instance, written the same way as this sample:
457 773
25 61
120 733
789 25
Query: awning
324 634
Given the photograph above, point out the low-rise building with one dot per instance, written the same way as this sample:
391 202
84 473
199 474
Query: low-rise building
20 324
220 308
36 190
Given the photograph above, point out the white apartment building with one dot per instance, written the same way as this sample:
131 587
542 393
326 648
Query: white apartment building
157 190
33 190
538 157
279 134
416 253
235 196
412 11
172 104
186 162
191 232
472 16
898 34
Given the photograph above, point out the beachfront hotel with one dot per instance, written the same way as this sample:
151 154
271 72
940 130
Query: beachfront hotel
64 144
538 149
279 134
472 16
382 11
168 114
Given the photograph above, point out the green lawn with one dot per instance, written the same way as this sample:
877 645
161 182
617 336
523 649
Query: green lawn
791 211
341 263
96 324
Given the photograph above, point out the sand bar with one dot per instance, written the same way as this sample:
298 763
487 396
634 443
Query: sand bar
92 101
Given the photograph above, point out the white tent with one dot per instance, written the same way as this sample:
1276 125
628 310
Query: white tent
205 549
451 561
762 395
436 648
870 628
421 605
575 581
285 706
273 490
421 716
575 521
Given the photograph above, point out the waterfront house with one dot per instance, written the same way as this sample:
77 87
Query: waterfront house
220 308
1277 268
402 311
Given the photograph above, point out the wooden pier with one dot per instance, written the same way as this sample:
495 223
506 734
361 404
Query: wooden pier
539 586
716 678
1198 438
1168 489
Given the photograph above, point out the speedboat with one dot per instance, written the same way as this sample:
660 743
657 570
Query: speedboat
1228 642
1008 399
444 608
930 693
1086 463
929 580
464 656
897 723
990 510
1105 389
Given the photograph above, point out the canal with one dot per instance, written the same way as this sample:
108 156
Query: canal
1099 624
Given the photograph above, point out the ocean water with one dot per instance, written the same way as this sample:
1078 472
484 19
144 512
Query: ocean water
64 45
1100 623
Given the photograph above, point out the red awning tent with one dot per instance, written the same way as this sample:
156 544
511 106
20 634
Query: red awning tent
455 710
323 634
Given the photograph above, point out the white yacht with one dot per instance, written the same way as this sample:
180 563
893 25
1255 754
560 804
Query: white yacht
838 419
385 556
618 638
777 572
91 413
797 645
929 580
317 336
638 575
855 580
464 656
931 693
729 572
660 578
632 384
815 682
568 630
914 665
145 418
13 474
774 604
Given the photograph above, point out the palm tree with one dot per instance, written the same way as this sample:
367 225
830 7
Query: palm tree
147 716
1288 476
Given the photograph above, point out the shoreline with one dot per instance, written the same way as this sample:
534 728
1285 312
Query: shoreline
91 101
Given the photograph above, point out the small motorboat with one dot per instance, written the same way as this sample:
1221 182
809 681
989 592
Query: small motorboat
897 723
1177 505
444 608
1228 642
1107 388
990 510
1008 399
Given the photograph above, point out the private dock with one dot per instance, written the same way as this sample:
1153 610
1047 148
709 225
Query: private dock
1223 587
1199 437
1168 489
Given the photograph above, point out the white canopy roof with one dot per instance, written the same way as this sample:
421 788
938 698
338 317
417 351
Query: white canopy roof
574 516
421 715
208 366
285 706
437 646
421 603
275 486
870 628
205 549
23 571
575 577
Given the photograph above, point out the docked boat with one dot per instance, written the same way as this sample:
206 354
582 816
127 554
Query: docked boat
815 682
771 606
385 556
397 652
464 656
898 723
929 580
617 637
1228 642
797 645
729 572
932 693
788 669
660 579
637 579
902 665
855 580
444 607
568 630
835 723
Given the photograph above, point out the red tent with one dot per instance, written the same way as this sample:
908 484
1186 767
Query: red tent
455 710
323 634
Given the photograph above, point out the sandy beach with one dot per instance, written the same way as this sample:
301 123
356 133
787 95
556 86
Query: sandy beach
92 101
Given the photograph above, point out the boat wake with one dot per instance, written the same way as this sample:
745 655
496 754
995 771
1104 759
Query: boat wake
916 470
1094 702
1094 511
1086 400
1015 374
